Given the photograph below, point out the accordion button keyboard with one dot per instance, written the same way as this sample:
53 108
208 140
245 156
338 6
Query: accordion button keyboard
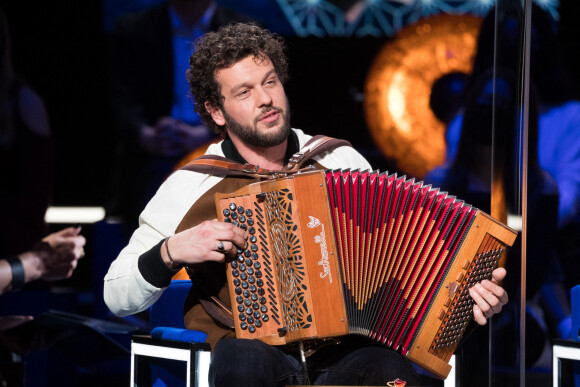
245 269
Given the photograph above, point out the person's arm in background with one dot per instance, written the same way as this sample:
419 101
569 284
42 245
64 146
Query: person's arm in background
54 258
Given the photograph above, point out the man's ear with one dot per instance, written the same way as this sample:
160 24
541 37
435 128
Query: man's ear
216 114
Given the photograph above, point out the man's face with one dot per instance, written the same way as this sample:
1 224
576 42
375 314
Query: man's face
255 108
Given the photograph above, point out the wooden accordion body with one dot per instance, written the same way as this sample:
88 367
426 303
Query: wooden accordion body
359 252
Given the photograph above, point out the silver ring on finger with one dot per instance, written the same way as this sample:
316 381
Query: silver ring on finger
220 247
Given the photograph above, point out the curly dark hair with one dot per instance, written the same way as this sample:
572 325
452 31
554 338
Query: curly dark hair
222 49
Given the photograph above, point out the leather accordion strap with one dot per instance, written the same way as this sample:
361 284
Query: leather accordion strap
221 166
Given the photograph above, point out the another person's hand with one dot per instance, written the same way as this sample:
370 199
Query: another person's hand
202 243
59 253
489 297
171 137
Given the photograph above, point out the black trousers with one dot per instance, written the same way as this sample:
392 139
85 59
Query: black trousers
354 361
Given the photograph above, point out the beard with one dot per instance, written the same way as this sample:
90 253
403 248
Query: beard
251 135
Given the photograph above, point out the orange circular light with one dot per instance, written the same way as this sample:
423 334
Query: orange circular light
398 87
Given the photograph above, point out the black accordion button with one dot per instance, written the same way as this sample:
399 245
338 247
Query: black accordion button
234 215
251 279
242 218
250 320
253 288
263 308
247 302
255 306
247 253
262 300
239 299
234 264
253 239
250 271
233 206
226 212
254 297
242 317
236 223
252 230
254 256
259 282
242 267
241 308
249 212
258 323
243 276
227 220
261 291
240 210
249 311
257 265
265 318
235 273
249 262
237 282
241 258
238 290
257 315
245 285
243 226
244 325
246 294
250 221
254 247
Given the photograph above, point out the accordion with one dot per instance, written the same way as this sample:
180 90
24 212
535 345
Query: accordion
342 252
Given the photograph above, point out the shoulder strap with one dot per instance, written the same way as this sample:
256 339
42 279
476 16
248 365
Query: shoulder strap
221 166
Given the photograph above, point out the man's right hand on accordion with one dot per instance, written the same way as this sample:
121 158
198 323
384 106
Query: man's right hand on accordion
489 297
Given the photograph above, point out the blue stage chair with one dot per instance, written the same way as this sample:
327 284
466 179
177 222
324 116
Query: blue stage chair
172 355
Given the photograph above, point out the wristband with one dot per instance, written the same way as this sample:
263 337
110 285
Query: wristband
18 279
173 264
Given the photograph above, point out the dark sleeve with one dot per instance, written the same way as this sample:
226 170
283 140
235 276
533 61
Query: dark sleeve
153 269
